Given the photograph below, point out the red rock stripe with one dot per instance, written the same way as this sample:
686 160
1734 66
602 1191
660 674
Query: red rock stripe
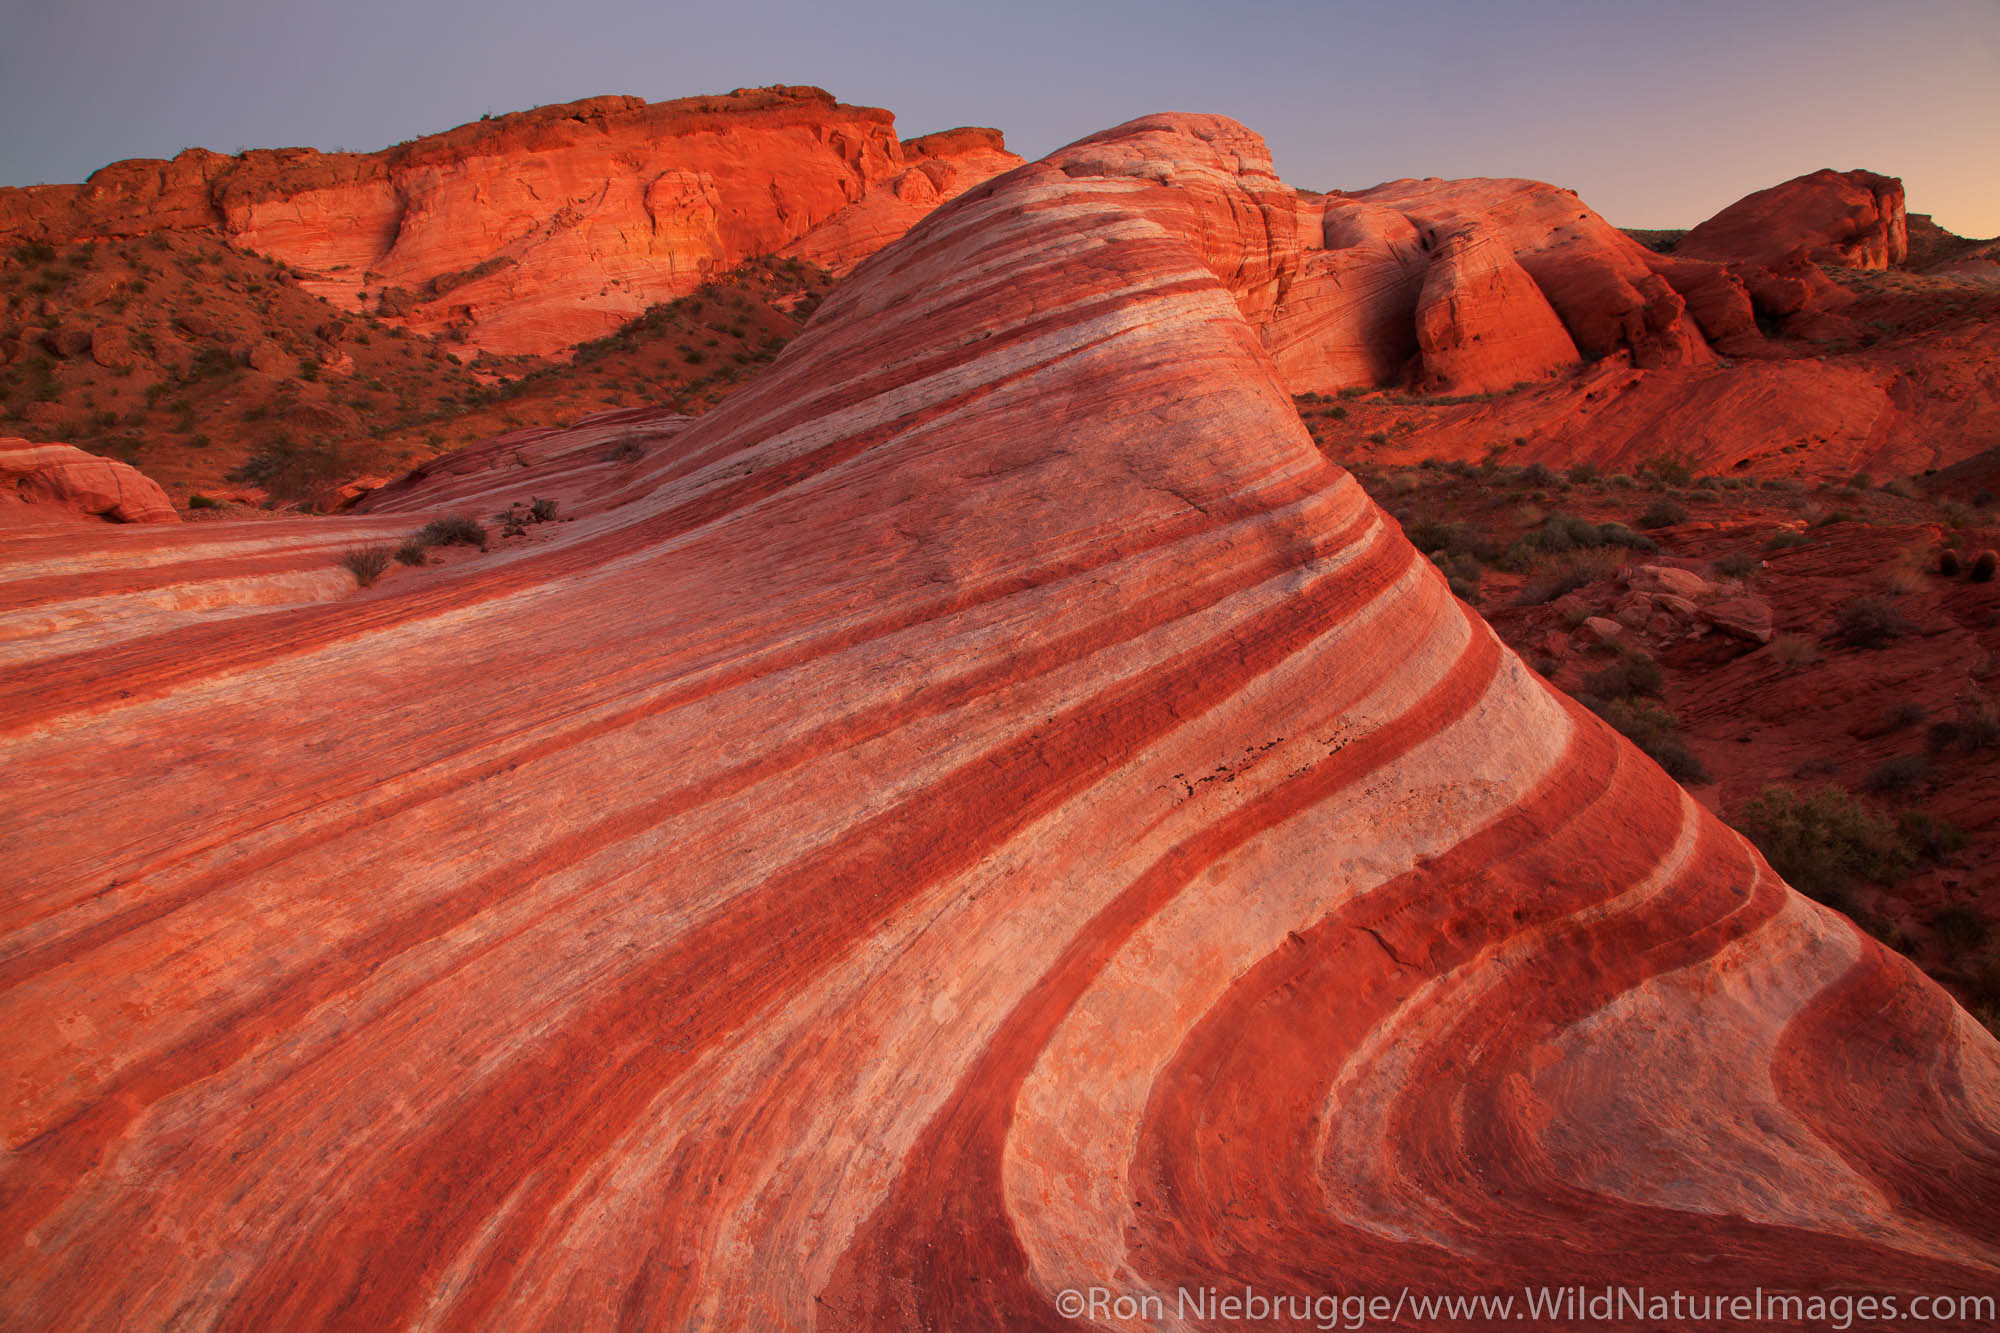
560 1107
945 1223
45 1166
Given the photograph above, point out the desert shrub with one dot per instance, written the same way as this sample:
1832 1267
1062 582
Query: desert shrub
1977 726
1617 534
1540 474
1662 514
413 552
542 511
625 451
1567 576
291 470
200 501
1655 730
1737 565
1785 539
1895 776
1869 622
1903 716
1793 651
1823 841
458 530
1561 533
1583 473
1838 516
1673 468
1985 566
1431 534
1902 488
1632 674
1947 563
1929 837
1959 928
366 563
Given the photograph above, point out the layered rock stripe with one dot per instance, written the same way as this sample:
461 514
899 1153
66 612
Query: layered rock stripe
989 809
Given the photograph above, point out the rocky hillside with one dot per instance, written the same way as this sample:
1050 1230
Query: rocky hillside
531 232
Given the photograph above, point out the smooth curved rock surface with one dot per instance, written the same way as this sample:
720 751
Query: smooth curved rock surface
1482 323
989 809
44 482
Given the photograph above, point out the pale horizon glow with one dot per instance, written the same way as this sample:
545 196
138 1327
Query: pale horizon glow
1656 120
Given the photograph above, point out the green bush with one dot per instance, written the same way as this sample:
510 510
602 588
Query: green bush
1823 842
1928 836
1674 468
1869 622
1632 674
1617 534
1737 565
291 470
1573 573
1655 730
1662 514
1959 928
1898 775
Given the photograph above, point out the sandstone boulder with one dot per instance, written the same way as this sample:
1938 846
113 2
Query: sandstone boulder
111 347
1743 616
61 476
1852 219
1482 324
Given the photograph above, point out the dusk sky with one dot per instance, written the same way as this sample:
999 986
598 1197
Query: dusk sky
1657 115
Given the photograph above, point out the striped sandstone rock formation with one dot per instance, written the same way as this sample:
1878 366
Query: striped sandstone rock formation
988 810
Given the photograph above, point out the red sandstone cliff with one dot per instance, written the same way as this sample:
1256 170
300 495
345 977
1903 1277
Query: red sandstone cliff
533 231
989 809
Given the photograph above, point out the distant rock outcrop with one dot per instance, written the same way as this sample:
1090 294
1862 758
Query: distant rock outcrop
1852 219
44 481
1518 279
533 231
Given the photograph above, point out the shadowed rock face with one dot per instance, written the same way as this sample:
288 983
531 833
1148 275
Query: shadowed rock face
989 809
534 231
